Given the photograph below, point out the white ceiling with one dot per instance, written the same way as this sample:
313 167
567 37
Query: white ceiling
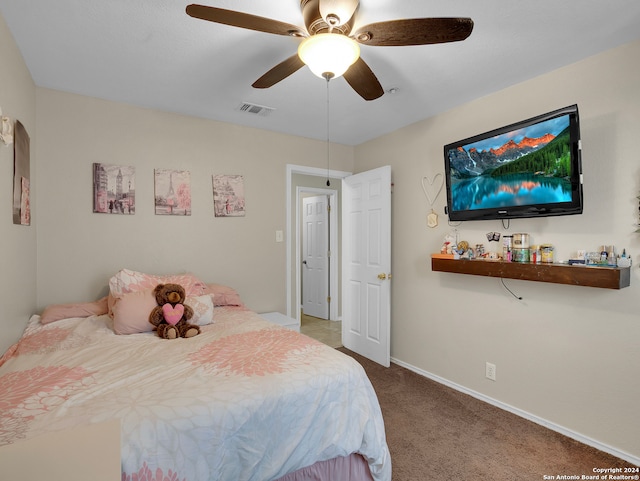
150 53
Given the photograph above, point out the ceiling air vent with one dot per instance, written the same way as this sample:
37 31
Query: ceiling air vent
255 109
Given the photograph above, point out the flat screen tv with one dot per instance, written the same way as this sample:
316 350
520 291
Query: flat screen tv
528 169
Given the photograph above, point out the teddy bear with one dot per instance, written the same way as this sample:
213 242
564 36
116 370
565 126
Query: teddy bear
171 316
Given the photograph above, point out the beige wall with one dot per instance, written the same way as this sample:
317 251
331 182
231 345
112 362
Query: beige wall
17 243
79 250
566 354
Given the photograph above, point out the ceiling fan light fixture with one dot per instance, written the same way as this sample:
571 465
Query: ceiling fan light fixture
338 12
329 54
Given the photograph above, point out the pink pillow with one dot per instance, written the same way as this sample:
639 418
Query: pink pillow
223 295
131 311
56 312
126 281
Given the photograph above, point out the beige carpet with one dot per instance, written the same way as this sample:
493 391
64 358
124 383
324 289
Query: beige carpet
437 433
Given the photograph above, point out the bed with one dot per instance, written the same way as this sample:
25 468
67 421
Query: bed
243 400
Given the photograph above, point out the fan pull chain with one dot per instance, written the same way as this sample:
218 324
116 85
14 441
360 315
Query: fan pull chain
328 181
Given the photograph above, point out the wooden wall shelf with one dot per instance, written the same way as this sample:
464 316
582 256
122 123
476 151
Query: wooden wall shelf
575 275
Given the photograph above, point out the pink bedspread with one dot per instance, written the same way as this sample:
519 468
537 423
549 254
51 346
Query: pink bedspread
244 400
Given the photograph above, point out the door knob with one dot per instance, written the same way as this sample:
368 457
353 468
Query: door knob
382 276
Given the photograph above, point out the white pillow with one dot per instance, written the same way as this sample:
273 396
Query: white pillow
126 281
202 309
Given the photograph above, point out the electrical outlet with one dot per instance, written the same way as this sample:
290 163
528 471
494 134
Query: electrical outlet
490 371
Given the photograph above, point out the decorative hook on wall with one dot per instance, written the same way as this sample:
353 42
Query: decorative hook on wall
6 129
432 188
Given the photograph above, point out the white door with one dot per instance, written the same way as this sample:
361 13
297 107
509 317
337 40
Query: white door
366 264
315 256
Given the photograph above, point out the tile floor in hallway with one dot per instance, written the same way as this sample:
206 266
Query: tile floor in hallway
327 332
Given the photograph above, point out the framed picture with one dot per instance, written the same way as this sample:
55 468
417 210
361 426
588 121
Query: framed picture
21 176
25 203
228 195
114 189
172 192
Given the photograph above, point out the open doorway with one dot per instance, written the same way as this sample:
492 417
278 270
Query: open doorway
305 182
318 270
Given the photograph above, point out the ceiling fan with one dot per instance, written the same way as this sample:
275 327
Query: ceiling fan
327 20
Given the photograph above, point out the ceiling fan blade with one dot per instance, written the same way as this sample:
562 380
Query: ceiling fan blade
414 31
243 20
279 72
363 80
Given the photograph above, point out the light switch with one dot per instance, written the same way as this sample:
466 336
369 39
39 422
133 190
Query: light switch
279 236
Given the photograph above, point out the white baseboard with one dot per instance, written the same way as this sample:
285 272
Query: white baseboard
524 414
